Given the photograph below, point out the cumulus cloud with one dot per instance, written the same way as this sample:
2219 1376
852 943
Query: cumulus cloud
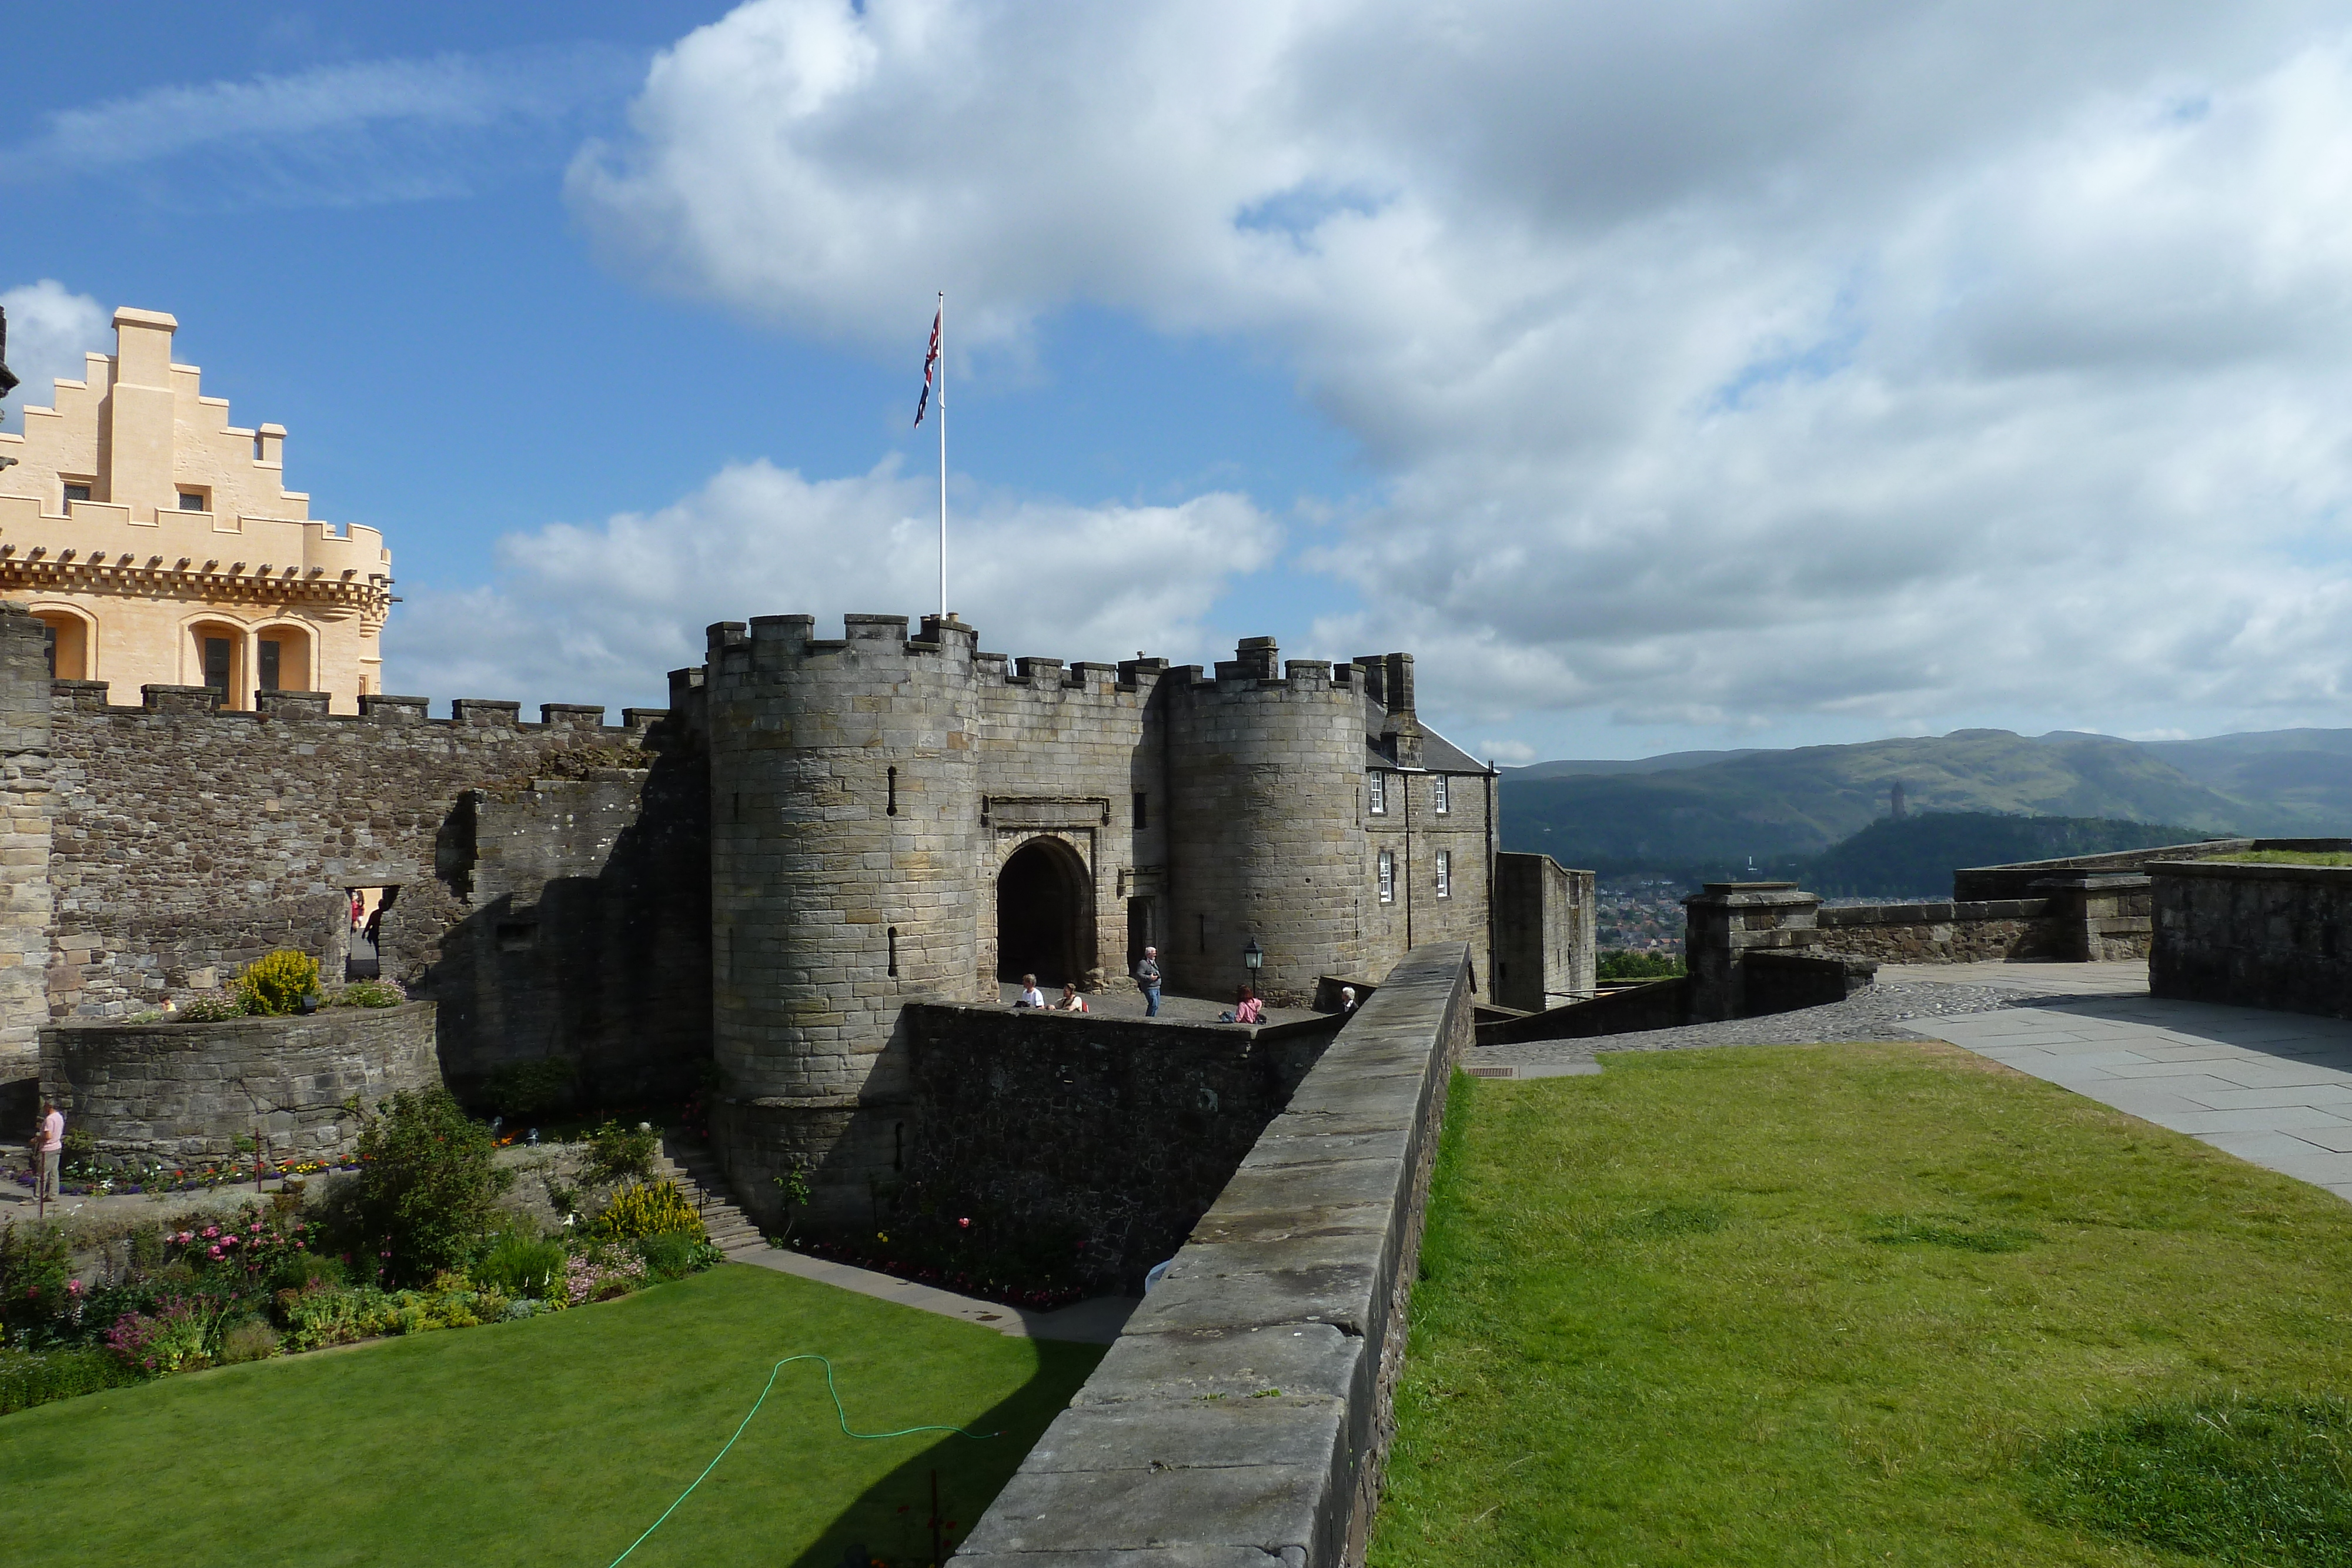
362 131
596 614
50 329
1719 363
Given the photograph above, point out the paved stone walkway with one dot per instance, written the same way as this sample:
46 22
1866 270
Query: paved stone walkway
1096 1321
2273 1089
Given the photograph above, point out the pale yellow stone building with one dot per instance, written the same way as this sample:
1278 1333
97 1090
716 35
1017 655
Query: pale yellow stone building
159 545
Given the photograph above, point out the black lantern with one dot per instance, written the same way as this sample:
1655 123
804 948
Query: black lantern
1253 959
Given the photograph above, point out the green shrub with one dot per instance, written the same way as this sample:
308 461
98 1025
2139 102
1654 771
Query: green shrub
36 1267
646 1209
531 1088
1622 966
328 1315
621 1153
423 1200
300 1271
275 984
213 1009
251 1340
366 994
36 1379
675 1254
521 1265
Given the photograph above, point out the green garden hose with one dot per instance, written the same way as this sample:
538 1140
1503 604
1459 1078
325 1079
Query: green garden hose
840 1413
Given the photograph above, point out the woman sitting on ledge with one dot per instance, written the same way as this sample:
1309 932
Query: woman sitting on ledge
1247 1008
1071 1001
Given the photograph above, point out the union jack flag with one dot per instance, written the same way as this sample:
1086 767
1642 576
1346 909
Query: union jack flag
930 364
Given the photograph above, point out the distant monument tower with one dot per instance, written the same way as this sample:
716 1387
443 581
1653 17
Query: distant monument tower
1895 799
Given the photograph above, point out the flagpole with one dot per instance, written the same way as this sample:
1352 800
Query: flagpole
943 454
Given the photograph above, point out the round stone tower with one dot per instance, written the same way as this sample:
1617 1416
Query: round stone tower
845 815
1265 834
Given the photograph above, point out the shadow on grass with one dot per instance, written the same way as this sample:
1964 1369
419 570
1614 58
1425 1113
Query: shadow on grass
891 1520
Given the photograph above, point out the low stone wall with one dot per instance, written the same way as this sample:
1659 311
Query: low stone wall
1245 1414
188 1091
1990 931
1661 1004
2254 936
1780 981
1109 1136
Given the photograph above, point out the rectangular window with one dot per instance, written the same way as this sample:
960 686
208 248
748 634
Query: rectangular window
1445 795
192 501
1388 877
1445 873
1143 810
76 491
1379 794
217 663
269 665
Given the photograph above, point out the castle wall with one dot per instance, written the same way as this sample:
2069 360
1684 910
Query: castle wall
27 802
1546 953
1065 754
1415 833
1267 842
189 1091
187 842
1087 1145
846 847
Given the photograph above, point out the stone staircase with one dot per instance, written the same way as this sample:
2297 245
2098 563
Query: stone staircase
697 1177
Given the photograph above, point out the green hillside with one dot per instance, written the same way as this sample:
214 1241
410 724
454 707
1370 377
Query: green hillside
1914 858
1775 804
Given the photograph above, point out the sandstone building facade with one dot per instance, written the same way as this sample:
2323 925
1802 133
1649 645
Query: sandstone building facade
157 544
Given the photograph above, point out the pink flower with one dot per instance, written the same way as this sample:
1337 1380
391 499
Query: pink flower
215 1251
73 1287
963 1225
211 1231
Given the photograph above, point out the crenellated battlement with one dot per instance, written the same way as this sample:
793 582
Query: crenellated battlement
478 716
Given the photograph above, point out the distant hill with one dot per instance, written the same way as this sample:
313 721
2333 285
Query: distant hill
1914 858
1774 805
1668 763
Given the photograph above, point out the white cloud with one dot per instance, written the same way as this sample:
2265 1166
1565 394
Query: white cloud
1721 364
49 331
597 614
371 131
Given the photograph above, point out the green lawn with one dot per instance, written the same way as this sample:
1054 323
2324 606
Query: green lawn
1834 1304
554 1440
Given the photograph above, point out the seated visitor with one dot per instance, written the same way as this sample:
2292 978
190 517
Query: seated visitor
1071 1001
1030 997
1247 1008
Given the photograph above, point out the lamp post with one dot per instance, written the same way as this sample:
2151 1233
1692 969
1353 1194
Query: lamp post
1252 959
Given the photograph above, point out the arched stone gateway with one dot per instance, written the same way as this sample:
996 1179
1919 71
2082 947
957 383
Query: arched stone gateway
1042 918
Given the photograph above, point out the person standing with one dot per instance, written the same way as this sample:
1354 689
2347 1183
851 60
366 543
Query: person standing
53 1148
1147 980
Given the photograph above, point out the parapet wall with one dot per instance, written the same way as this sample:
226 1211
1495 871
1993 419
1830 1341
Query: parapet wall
1245 1414
1103 1140
189 1091
1992 930
2254 936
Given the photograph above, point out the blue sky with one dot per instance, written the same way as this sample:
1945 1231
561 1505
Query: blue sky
1664 377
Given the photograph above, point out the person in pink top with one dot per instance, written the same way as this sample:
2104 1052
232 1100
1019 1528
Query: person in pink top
1247 1008
53 1145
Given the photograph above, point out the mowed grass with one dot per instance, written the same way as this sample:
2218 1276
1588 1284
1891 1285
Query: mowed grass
1830 1304
554 1440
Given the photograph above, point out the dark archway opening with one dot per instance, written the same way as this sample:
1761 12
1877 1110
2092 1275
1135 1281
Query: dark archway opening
1038 908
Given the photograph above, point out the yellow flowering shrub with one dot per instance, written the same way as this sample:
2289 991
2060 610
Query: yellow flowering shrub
649 1208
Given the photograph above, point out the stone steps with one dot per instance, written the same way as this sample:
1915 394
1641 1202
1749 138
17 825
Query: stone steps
698 1177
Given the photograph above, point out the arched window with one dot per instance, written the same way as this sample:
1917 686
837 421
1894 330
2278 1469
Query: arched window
72 639
283 657
215 658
